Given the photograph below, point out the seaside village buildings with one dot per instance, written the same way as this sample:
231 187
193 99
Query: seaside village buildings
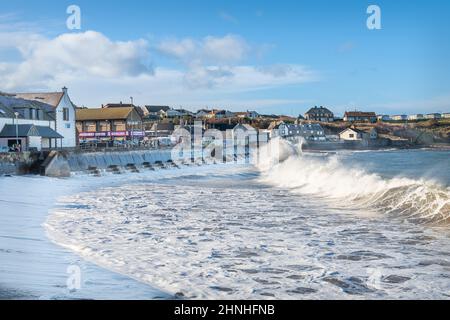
110 123
35 121
49 120
319 114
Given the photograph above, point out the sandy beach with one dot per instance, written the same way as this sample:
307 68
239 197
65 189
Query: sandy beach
32 267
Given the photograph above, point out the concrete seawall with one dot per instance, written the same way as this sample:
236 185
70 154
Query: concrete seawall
104 160
65 163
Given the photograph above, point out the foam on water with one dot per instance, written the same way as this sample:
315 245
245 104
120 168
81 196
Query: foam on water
419 200
282 232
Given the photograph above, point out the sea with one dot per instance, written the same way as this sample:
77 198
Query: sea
329 225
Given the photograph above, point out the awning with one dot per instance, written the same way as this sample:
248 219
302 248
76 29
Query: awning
29 130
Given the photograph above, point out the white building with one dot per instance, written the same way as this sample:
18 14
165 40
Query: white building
433 116
446 115
416 117
64 113
383 117
400 117
28 124
353 134
311 132
178 113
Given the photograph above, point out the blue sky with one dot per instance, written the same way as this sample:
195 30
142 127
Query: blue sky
272 56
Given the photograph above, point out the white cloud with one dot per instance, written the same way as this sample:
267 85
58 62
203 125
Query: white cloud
87 53
216 62
229 49
98 70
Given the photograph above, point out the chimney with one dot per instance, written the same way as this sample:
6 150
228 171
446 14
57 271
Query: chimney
64 89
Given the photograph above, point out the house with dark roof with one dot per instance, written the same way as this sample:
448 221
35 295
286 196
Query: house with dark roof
157 112
179 113
19 112
161 129
63 109
204 114
360 116
25 137
223 114
106 124
319 114
310 131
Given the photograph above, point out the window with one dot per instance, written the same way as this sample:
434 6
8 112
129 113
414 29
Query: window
65 114
351 135
90 126
119 126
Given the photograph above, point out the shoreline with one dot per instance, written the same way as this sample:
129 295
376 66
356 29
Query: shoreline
34 267
25 241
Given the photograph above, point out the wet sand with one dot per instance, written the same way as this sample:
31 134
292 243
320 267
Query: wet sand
32 267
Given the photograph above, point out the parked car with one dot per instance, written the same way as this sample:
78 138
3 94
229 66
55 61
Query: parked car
4 149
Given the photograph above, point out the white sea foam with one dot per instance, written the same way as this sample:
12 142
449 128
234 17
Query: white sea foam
330 178
222 233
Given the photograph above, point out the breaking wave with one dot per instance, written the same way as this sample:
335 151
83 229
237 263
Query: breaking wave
329 178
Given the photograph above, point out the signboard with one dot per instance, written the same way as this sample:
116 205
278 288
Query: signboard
118 133
113 134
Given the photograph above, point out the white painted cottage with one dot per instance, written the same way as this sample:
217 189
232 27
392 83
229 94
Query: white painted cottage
64 113
353 134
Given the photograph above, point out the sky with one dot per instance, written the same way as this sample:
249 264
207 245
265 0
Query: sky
278 57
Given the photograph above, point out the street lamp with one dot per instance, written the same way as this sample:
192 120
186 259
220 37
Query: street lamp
17 129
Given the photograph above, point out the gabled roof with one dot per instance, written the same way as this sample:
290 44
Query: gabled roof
275 125
244 126
223 112
118 105
318 110
359 114
205 111
50 98
6 112
8 102
157 108
29 130
183 110
120 113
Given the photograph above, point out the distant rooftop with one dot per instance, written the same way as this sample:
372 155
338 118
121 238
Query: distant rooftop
116 113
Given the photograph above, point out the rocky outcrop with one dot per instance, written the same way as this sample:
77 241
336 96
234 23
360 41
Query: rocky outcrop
17 163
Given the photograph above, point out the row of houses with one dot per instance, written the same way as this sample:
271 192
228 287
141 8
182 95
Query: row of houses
414 117
322 114
161 112
49 120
